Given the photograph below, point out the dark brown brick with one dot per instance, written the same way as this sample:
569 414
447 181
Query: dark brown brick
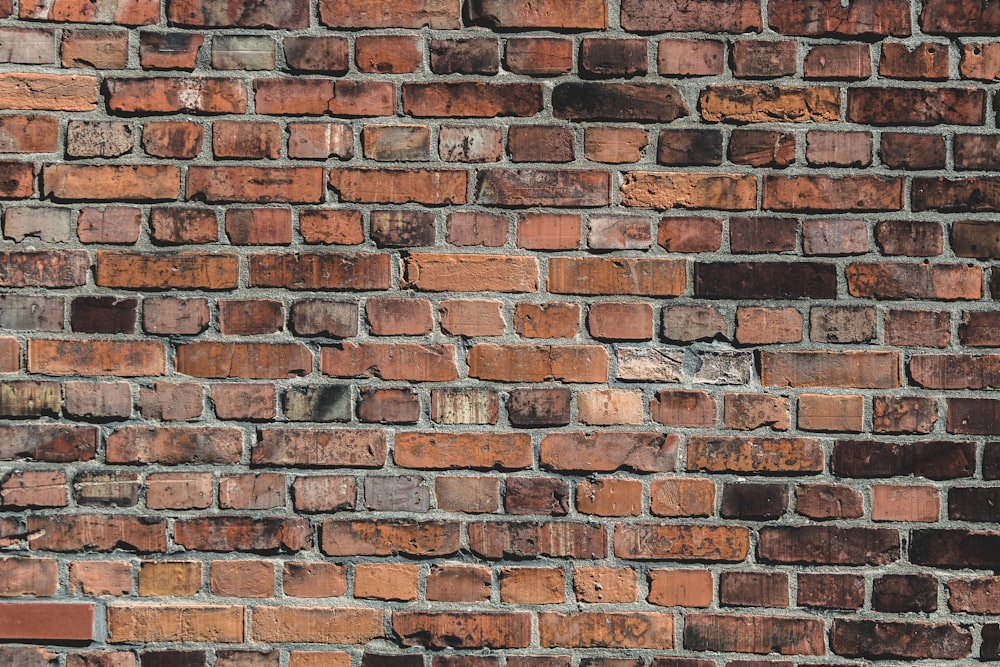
763 634
765 280
753 589
898 593
465 56
636 102
762 148
908 640
605 58
496 540
762 235
914 238
831 591
821 18
317 54
538 407
828 545
916 106
755 502
763 59
973 416
689 147
691 15
537 495
901 150
959 17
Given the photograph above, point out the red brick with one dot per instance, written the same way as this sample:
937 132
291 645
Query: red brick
472 494
892 502
95 357
463 450
958 18
610 497
178 623
50 92
539 56
94 532
320 448
33 489
466 630
169 578
459 583
320 271
621 321
100 49
673 542
390 361
340 14
753 589
132 270
324 493
308 579
695 409
921 328
173 95
47 621
879 369
387 54
547 320
470 273
838 61
916 106
252 491
170 50
552 14
606 629
746 454
762 326
472 317
131 183
28 134
680 588
697 16
690 57
926 60
471 99
388 537
526 363
242 578
341 227
496 540
609 451
96 577
821 18
680 496
532 585
179 490
317 97
908 640
397 186
605 584
763 59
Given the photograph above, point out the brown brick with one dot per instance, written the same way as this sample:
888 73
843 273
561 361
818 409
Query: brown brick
260 361
614 145
690 234
756 634
466 630
553 14
169 315
320 448
916 106
640 276
747 454
831 591
471 99
131 182
822 193
762 148
763 59
761 326
387 537
387 54
605 58
532 585
136 270
173 225
609 497
95 532
252 491
60 622
664 190
320 271
908 640
96 357
169 578
223 184
28 134
683 408
682 542
31 488
179 490
319 141
606 629
549 231
904 414
753 589
828 545
473 494
259 226
235 533
495 540
756 502
391 143
901 150
750 411
914 281
93 577
838 61
324 493
630 102
465 56
392 316
539 56
870 370
472 317
330 54
173 139
340 226
926 60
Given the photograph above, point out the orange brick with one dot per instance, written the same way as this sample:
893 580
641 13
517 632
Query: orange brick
605 584
532 585
681 588
386 581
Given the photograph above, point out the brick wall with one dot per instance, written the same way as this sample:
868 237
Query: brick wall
504 333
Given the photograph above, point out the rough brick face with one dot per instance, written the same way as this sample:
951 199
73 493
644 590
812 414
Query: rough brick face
459 312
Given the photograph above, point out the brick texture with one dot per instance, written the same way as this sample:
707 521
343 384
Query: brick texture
499 333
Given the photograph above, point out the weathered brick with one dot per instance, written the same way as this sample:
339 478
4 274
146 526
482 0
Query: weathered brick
95 532
471 99
820 18
748 103
169 50
872 370
390 361
49 92
901 150
748 455
897 280
530 363
697 16
386 537
130 182
958 18
635 102
837 61
495 540
828 545
756 634
176 95
28 134
646 541
465 56
463 450
916 106
606 629
552 14
680 496
466 630
320 271
441 14
387 54
302 447
830 591
765 280
664 190
908 640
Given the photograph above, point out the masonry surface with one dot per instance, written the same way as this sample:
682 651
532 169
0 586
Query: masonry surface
504 333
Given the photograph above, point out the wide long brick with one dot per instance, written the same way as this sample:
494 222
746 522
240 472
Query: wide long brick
176 623
49 92
44 622
754 634
878 369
